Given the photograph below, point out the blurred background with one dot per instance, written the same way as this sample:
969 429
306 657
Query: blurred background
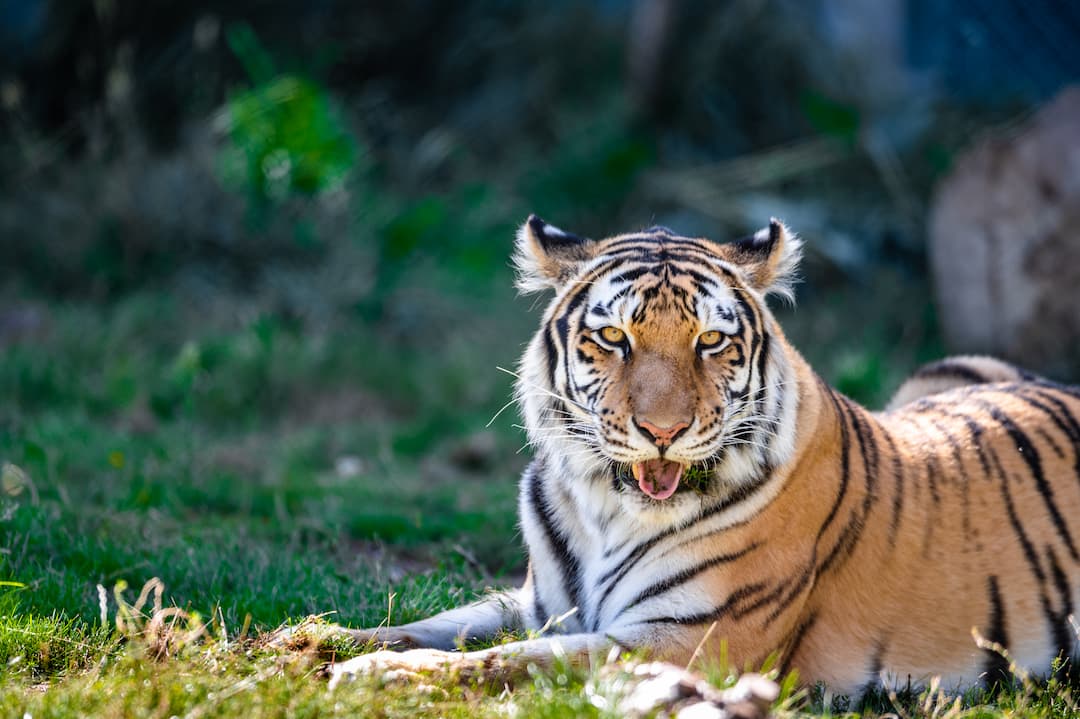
254 286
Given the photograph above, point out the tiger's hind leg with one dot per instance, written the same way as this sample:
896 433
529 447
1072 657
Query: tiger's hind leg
952 372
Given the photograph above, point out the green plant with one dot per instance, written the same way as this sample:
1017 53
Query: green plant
287 137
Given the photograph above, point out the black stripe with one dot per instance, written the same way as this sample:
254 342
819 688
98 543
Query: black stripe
877 659
1066 418
845 449
877 663
760 390
552 357
740 495
898 495
1059 620
618 572
652 243
684 576
869 452
713 614
763 601
569 566
950 369
810 571
632 274
619 295
864 426
933 472
562 336
796 642
976 434
651 260
1051 442
995 666
702 280
585 359
954 445
1014 520
852 528
845 543
636 553
539 611
994 469
562 328
958 459
762 359
804 580
1027 450
1065 389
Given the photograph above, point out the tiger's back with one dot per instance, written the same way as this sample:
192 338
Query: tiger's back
961 512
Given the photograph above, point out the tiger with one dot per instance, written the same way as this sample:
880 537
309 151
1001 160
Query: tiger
697 488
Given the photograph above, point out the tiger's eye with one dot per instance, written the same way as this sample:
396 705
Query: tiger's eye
614 335
710 338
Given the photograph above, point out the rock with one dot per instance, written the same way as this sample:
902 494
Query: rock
20 322
1003 247
666 690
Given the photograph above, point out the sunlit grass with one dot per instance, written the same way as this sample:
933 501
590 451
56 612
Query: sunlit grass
153 659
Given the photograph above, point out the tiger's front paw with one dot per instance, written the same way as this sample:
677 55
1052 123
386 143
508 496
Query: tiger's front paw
317 635
304 636
411 666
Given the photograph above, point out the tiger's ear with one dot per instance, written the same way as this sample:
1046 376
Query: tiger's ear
546 256
769 258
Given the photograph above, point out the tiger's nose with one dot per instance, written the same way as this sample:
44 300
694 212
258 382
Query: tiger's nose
661 436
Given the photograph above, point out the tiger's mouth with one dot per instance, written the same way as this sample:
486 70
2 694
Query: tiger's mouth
659 479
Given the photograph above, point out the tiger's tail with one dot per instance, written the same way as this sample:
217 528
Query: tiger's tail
952 372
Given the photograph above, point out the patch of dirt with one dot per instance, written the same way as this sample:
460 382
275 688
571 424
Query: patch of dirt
22 321
334 406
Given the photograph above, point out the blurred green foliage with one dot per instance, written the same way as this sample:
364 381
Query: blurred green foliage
830 117
289 137
287 134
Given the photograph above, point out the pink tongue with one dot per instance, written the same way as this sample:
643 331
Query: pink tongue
658 478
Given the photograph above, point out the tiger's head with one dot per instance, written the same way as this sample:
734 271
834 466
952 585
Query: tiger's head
658 373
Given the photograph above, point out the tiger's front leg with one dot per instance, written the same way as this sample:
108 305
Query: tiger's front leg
507 663
645 689
480 621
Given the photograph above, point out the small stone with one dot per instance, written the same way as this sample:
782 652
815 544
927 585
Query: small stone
476 452
348 466
665 689
702 710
